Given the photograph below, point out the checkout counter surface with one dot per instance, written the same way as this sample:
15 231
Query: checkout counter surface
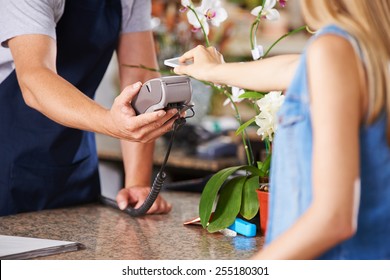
108 233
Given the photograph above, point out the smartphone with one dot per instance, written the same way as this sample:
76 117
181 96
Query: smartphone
173 62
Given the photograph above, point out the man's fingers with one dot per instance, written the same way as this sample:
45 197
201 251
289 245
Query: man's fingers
136 196
124 198
129 92
157 118
160 206
155 133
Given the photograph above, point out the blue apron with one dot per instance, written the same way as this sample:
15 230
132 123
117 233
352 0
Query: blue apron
43 164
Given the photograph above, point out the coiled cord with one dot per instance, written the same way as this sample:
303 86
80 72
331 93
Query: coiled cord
160 177
152 196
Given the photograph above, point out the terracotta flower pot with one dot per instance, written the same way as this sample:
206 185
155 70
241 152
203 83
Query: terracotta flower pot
263 205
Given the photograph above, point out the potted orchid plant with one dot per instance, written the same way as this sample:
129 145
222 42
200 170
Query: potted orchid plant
232 191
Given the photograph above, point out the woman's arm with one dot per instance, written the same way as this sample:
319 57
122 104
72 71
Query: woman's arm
336 94
268 74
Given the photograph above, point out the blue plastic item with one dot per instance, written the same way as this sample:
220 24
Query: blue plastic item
243 227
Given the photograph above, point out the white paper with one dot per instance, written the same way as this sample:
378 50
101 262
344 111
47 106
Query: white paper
15 247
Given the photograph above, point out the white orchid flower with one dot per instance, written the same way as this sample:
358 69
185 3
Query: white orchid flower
266 122
210 11
268 11
186 3
269 105
271 101
198 20
213 11
236 92
257 52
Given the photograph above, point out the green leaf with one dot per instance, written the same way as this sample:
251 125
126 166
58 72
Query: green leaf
265 166
250 203
210 193
252 94
263 173
253 170
244 126
229 204
212 187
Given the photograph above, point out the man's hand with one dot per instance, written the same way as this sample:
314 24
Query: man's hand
135 197
143 128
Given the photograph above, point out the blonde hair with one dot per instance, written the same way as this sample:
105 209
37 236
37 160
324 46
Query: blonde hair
369 22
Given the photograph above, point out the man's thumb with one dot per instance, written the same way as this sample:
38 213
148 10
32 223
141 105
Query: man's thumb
129 92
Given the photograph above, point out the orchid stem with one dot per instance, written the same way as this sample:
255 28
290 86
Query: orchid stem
282 37
244 135
267 146
255 27
148 68
201 26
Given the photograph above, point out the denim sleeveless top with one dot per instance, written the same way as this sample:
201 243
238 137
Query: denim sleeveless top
291 172
42 163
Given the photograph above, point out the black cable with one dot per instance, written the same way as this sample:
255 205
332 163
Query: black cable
160 177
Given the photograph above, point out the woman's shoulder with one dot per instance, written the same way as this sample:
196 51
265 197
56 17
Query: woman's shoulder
330 46
332 41
335 69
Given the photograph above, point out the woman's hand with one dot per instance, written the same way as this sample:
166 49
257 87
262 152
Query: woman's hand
204 61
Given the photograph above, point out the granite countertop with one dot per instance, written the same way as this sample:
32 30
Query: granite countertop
110 234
